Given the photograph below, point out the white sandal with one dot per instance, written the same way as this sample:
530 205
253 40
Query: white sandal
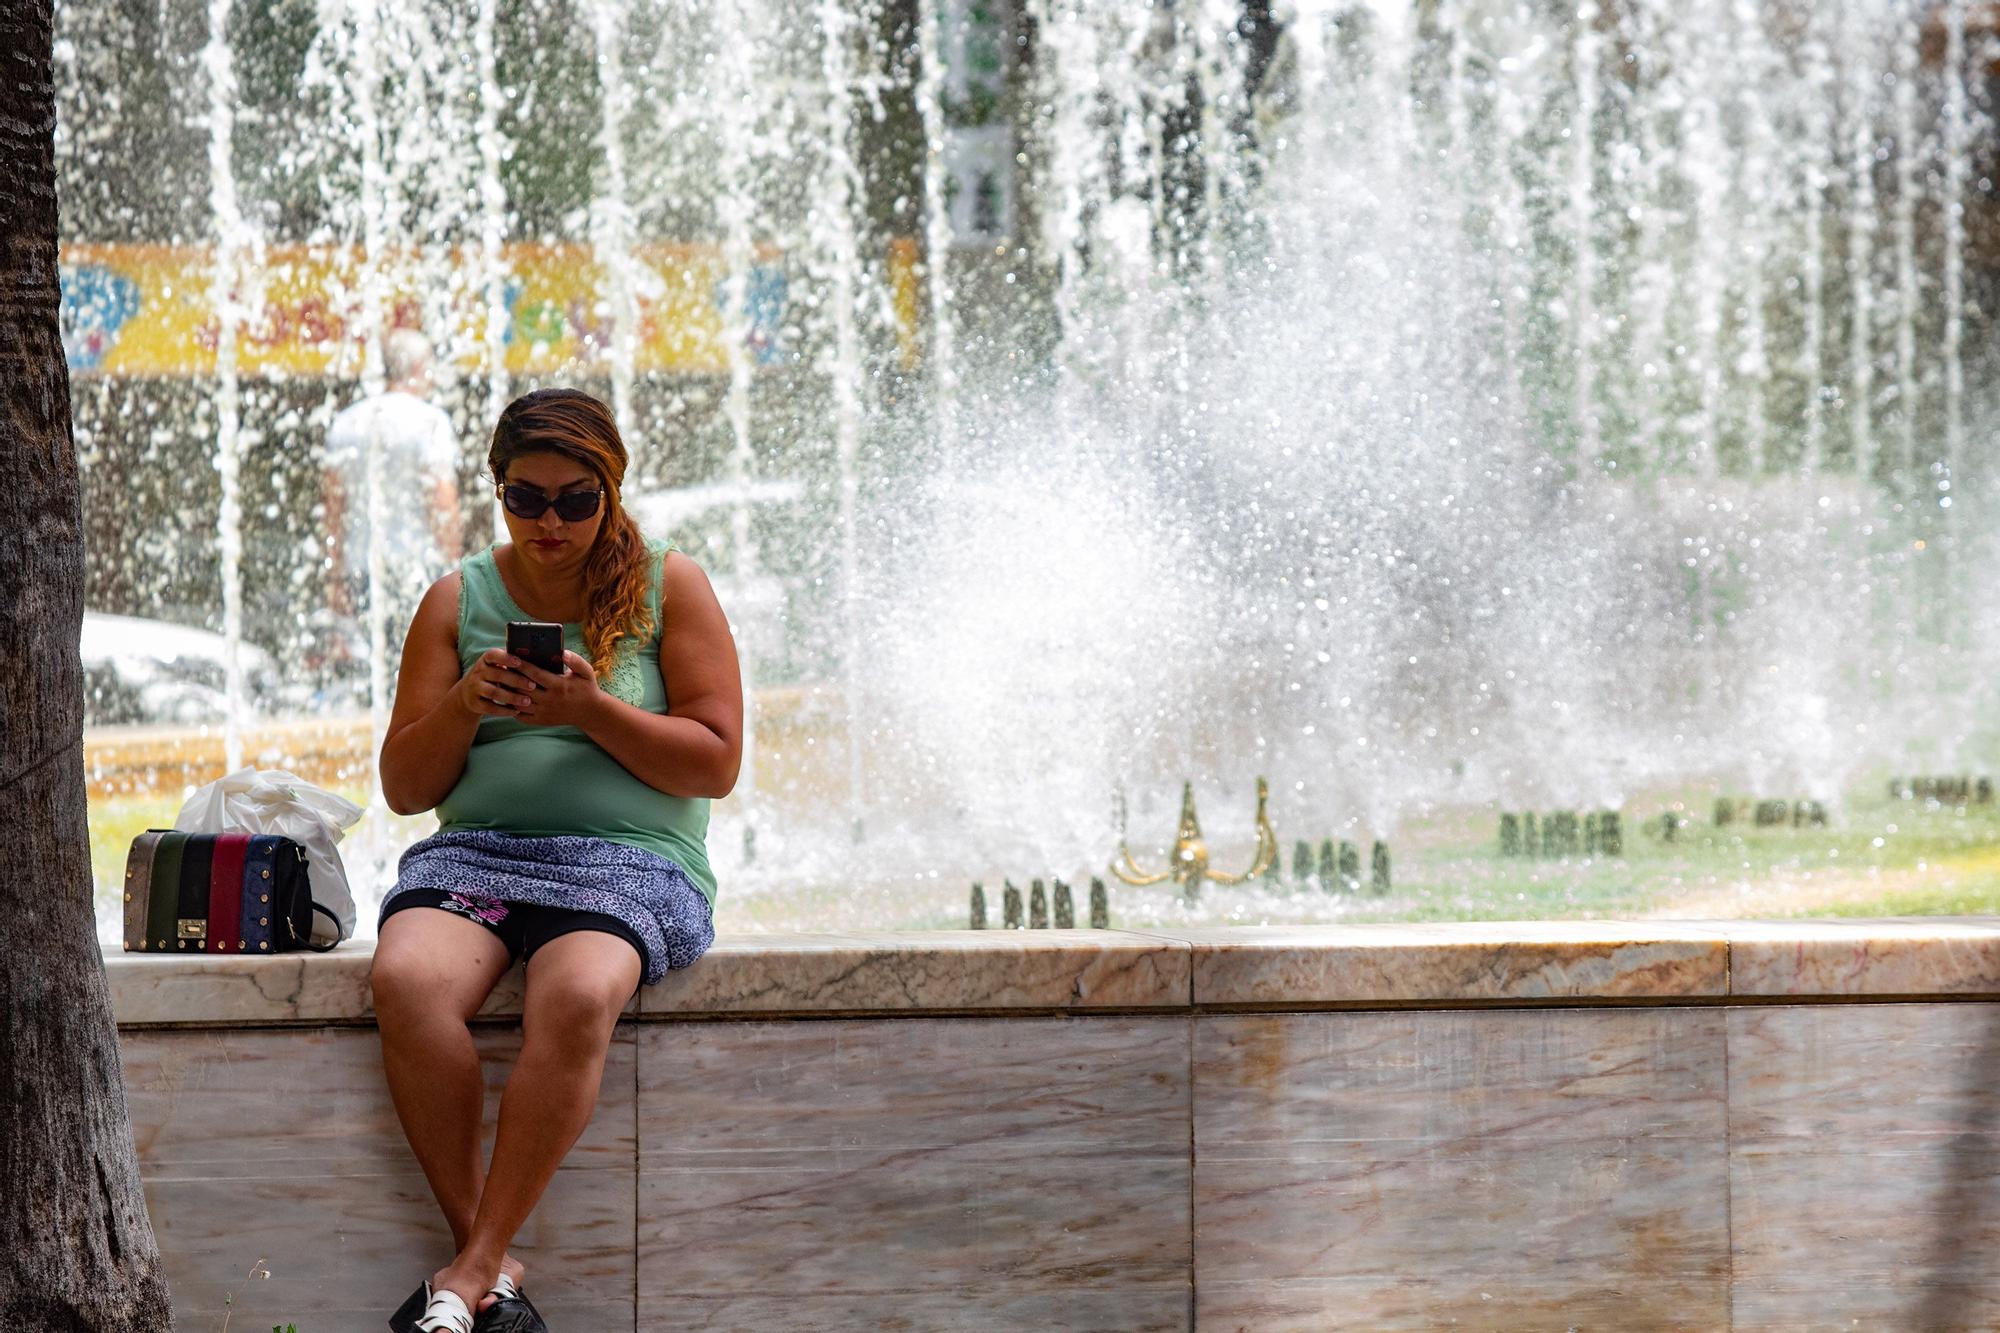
445 1313
442 1312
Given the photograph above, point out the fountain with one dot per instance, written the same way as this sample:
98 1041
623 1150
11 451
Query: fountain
1189 868
226 299
1444 406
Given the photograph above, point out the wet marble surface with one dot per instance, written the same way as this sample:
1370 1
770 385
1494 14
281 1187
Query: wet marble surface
149 989
892 971
1865 1165
742 974
853 1173
1500 1169
1459 961
281 1188
1907 956
1383 966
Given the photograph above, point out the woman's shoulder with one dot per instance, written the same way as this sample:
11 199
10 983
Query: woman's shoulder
661 556
439 609
477 576
446 587
480 571
683 584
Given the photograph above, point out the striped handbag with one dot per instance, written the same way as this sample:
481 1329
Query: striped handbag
218 893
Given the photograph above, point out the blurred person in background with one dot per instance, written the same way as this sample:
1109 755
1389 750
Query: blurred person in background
390 455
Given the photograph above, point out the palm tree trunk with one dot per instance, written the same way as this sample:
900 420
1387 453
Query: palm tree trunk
76 1248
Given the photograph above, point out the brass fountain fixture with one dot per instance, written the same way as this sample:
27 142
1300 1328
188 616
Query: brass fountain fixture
1190 867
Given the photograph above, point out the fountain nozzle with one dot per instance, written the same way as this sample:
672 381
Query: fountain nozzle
1189 865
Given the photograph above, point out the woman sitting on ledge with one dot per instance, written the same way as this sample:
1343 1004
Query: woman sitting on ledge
572 814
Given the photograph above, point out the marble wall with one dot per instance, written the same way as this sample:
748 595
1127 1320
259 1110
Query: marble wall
1508 1169
281 1189
1626 1167
921 1174
1864 1166
925 1173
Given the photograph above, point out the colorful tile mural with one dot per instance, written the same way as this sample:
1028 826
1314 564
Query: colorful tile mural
150 309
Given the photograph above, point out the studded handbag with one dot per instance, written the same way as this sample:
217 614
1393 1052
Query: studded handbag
223 893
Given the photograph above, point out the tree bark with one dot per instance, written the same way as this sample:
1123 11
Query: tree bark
76 1248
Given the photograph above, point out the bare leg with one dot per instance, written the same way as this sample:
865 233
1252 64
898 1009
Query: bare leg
432 971
577 985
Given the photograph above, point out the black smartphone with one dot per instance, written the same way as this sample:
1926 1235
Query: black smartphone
538 642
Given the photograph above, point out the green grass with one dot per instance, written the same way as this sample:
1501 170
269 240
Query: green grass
113 825
1961 900
1856 866
1459 882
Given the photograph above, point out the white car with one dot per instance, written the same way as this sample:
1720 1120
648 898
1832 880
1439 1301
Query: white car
153 671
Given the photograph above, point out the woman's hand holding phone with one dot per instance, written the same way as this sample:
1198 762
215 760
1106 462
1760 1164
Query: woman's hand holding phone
497 685
567 700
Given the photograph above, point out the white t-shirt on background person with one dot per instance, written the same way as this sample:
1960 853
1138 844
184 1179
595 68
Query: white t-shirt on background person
418 476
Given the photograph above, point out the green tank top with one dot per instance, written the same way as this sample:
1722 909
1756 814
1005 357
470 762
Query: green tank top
539 782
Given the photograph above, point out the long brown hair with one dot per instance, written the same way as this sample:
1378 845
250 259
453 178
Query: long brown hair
572 423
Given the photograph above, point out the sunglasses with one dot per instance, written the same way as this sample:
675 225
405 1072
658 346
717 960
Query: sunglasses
570 506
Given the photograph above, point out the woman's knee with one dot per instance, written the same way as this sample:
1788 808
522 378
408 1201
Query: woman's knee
565 1003
415 977
404 983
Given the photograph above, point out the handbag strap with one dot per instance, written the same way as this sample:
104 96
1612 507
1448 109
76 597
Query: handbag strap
307 943
305 888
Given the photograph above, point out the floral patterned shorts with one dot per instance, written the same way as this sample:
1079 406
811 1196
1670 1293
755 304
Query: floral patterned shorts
522 927
582 882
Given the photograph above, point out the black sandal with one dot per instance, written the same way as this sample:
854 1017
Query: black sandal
511 1312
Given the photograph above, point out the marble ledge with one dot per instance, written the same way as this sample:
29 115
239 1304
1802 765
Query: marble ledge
1914 956
1458 962
929 970
892 973
889 972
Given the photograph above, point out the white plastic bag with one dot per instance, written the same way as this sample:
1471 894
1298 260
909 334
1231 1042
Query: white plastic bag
270 800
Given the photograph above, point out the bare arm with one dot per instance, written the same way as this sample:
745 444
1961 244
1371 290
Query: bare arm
696 748
438 708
